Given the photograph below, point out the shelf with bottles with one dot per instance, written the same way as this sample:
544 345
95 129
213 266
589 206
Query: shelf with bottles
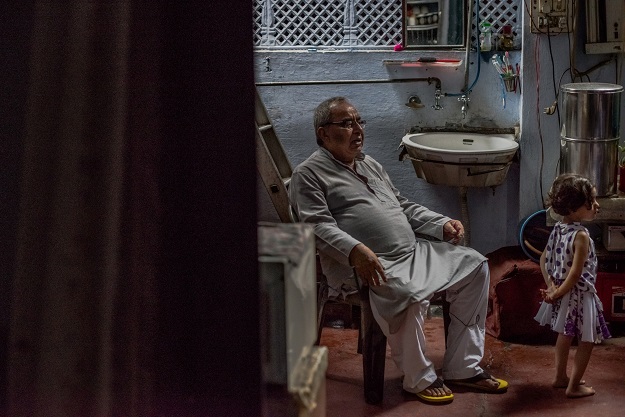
493 39
421 22
420 13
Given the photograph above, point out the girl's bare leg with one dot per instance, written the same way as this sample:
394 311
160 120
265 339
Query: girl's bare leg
563 344
582 357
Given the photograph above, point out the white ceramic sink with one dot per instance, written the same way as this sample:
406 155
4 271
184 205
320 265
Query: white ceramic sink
461 159
458 147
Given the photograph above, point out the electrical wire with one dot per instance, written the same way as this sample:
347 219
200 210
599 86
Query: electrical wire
572 47
553 75
538 115
479 58
590 70
562 76
568 38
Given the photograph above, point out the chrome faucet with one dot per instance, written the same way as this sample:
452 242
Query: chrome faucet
465 104
437 100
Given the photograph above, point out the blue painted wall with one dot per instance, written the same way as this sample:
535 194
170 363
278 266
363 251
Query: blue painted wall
495 214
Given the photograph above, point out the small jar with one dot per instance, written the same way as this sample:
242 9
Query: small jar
410 16
507 38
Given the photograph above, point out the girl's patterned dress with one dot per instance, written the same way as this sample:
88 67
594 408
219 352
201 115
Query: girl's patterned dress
579 312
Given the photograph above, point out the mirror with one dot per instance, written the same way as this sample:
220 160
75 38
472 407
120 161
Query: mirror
438 24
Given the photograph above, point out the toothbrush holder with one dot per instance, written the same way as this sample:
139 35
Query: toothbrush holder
510 81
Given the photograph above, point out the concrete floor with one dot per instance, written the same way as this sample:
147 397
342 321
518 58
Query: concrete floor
528 369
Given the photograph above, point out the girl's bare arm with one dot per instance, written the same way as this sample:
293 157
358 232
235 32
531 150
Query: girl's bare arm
580 255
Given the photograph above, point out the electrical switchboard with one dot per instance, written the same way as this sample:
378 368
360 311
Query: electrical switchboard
551 16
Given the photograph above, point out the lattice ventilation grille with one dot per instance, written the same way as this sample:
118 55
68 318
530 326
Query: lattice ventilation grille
379 22
258 16
500 13
321 23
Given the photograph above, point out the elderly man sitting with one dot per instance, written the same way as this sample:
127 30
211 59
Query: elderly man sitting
362 223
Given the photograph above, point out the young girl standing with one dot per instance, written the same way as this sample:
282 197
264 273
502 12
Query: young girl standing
569 264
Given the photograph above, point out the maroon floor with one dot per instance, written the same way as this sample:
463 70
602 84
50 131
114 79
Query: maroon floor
528 369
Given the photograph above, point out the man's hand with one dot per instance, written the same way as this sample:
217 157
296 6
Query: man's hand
367 265
453 232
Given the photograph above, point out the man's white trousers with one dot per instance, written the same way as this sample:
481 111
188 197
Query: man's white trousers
468 300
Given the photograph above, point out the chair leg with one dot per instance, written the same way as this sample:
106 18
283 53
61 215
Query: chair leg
320 320
322 299
373 352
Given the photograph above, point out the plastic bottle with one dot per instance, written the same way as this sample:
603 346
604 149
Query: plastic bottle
486 35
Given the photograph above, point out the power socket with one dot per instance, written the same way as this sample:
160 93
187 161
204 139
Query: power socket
551 16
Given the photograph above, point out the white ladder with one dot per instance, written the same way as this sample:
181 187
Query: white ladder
273 166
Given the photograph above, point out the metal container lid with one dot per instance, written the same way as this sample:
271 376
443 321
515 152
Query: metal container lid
591 87
591 111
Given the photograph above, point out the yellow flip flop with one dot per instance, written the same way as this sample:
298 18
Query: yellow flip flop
473 383
435 399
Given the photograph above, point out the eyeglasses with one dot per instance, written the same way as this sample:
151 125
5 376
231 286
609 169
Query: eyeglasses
348 123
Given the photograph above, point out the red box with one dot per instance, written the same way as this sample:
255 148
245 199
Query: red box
611 291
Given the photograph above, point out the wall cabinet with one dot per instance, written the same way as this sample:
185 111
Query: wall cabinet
422 23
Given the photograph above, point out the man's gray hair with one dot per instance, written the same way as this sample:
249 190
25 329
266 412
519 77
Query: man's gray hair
323 113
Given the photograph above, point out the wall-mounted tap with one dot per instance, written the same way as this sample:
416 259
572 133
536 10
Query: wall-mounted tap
465 104
437 100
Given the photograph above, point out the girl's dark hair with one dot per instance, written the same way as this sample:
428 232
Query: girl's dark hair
570 192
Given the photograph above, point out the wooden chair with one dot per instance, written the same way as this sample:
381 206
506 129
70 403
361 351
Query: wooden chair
371 340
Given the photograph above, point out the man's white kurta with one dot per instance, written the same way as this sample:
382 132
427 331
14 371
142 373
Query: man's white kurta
348 207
